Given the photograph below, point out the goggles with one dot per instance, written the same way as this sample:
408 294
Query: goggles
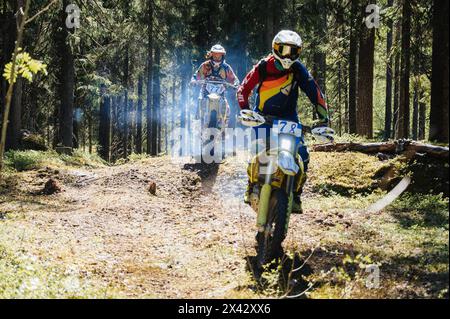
287 51
217 56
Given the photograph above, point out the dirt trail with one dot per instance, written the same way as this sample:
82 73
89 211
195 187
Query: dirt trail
194 237
190 239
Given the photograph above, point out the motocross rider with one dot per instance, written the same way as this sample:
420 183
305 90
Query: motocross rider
216 69
278 77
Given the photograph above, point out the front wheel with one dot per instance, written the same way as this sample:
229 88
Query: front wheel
269 242
213 119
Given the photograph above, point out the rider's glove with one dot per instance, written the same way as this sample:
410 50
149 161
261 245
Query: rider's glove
320 124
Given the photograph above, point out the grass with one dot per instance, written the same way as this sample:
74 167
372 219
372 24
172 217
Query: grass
350 173
409 242
33 160
417 210
24 275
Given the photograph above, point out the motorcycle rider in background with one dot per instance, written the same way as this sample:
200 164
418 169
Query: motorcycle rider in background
214 68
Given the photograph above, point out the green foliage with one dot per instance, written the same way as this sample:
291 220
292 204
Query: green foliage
348 173
24 276
29 160
422 210
25 67
80 158
33 142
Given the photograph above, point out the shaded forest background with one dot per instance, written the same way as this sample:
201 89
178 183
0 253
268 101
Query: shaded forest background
118 84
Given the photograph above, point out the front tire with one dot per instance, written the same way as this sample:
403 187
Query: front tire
269 242
213 120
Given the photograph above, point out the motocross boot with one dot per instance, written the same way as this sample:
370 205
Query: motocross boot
248 192
297 202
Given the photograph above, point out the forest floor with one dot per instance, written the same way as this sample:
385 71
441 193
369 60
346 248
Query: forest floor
107 236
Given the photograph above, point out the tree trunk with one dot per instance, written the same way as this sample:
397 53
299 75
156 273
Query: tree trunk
388 106
156 120
396 147
320 56
76 125
404 105
132 124
174 105
66 82
15 115
149 75
395 123
364 111
269 22
165 107
90 126
422 120
104 135
139 116
415 114
439 129
15 118
352 68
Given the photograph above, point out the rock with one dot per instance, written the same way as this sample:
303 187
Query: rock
64 150
51 187
152 188
382 156
30 141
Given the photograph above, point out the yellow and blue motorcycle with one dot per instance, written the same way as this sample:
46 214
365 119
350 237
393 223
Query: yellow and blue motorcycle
274 175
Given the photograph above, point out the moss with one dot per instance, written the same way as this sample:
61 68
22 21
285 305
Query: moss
24 276
348 173
33 142
30 160
429 176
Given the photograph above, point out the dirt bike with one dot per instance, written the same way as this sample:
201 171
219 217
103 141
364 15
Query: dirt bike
273 180
213 109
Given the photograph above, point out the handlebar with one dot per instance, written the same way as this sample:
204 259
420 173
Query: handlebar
254 119
269 119
214 82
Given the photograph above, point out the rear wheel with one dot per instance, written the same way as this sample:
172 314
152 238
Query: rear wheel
269 242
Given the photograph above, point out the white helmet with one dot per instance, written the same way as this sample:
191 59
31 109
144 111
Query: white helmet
218 49
286 47
217 55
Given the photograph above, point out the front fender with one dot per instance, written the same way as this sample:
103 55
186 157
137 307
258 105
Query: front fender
286 162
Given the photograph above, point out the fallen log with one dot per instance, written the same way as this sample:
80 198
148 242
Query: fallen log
396 147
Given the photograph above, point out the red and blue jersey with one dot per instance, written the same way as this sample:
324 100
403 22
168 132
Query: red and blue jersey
274 92
224 72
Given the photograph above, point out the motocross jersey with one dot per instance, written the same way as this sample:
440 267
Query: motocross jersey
224 72
277 92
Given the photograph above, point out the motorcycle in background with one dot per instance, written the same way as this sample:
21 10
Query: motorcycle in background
213 110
